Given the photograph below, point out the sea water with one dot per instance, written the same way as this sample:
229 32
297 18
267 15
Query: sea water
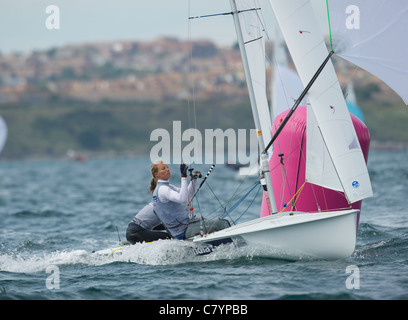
55 213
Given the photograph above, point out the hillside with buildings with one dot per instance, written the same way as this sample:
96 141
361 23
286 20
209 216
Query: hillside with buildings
121 71
108 97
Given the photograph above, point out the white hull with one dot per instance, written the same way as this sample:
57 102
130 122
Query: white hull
294 235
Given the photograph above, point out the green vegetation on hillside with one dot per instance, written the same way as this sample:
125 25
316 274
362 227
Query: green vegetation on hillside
51 129
386 116
114 128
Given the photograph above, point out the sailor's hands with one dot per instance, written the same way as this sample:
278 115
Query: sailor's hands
183 170
197 174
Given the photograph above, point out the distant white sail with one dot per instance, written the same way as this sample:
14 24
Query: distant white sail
3 133
250 20
287 87
286 84
308 50
373 35
351 101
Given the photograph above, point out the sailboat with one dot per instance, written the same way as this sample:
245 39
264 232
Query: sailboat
336 160
352 102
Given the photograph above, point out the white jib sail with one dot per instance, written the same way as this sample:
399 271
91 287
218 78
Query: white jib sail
308 50
319 166
250 19
373 35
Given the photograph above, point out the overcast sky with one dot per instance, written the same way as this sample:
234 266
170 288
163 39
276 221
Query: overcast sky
22 22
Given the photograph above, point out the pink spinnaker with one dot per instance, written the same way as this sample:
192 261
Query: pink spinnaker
288 170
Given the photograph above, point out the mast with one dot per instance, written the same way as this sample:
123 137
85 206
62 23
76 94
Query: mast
264 157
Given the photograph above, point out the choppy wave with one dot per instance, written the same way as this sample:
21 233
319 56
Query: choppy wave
40 213
379 242
78 210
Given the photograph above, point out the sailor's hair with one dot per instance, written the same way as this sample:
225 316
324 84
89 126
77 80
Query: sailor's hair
154 168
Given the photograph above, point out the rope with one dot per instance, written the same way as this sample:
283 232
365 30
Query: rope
215 196
223 207
291 200
233 207
226 212
259 188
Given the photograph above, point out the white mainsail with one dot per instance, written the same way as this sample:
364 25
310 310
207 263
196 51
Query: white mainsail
247 19
372 34
250 20
308 50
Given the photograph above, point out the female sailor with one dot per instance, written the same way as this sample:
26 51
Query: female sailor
169 201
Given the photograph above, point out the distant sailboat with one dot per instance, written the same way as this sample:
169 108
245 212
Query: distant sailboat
286 84
3 133
351 101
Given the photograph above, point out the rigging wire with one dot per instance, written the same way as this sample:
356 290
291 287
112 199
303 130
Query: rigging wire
221 14
223 207
192 76
241 199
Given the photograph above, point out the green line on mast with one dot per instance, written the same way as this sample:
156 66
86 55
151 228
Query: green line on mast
328 18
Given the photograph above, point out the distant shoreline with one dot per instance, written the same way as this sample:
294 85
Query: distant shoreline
375 146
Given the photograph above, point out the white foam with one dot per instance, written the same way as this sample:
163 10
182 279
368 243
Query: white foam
171 252
162 252
39 262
